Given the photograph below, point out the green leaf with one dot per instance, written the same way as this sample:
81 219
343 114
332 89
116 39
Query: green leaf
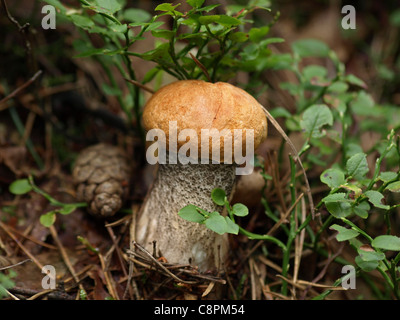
160 33
231 226
160 53
362 210
368 254
250 52
352 149
216 223
218 196
226 21
57 4
387 242
102 11
208 8
258 34
338 87
367 266
136 15
195 3
352 79
357 166
190 213
110 5
344 233
336 197
314 118
393 187
67 209
312 71
6 283
266 42
387 176
166 7
363 105
339 209
48 218
310 48
375 197
119 28
150 25
81 21
333 178
20 186
239 36
353 188
240 210
150 75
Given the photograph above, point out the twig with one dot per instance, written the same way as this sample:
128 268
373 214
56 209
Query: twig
34 240
285 215
25 250
299 241
65 255
41 293
109 283
323 271
21 29
11 295
260 279
115 241
12 19
148 254
203 276
178 267
81 272
276 178
132 268
54 294
208 290
14 265
252 280
302 283
19 89
201 66
138 84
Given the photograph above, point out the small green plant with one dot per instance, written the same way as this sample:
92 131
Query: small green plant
6 282
24 186
325 102
352 194
223 224
214 220
200 45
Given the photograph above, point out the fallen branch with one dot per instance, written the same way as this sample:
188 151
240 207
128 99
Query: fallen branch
18 90
50 294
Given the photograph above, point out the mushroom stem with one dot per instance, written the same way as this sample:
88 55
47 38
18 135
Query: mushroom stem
178 240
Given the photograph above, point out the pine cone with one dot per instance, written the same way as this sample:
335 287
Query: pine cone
101 175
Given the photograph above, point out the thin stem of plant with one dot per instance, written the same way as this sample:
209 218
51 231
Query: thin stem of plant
296 158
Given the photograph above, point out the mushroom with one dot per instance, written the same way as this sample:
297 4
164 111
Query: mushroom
195 105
